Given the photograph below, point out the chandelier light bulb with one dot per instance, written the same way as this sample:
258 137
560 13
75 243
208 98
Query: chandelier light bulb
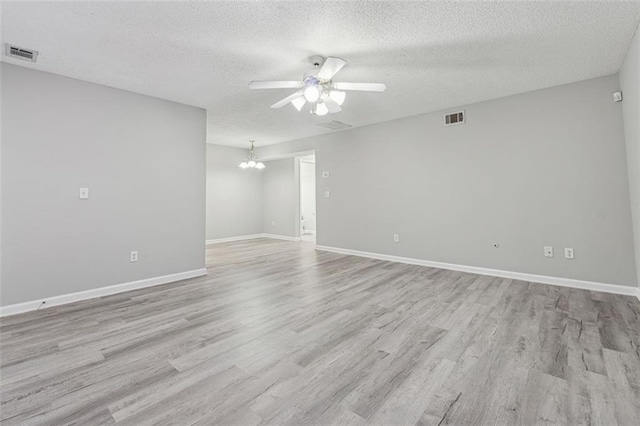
243 165
312 93
251 163
260 166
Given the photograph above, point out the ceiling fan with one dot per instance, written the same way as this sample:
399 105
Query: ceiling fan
317 87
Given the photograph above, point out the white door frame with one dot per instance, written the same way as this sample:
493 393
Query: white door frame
299 192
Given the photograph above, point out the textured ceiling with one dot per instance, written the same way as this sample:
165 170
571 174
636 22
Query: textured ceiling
431 55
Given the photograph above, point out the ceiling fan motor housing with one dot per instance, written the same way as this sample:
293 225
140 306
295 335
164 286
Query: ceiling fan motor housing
311 80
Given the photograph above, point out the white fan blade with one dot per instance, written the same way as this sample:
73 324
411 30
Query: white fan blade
330 68
298 103
332 106
275 84
366 87
288 99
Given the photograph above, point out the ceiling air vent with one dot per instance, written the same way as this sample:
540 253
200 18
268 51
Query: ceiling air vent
20 53
335 125
454 118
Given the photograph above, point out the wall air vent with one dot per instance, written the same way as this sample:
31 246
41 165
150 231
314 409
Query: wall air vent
20 53
335 125
454 118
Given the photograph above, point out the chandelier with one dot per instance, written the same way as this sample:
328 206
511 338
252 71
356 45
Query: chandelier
251 162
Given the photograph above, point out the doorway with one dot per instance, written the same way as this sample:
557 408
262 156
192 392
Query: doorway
307 173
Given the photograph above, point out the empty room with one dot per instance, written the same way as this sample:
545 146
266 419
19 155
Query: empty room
320 213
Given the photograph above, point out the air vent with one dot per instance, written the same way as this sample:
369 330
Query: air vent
20 53
454 118
335 125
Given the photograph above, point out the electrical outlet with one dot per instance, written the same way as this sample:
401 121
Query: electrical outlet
134 256
396 238
568 253
83 194
548 251
327 194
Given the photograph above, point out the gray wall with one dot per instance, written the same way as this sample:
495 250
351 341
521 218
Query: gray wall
143 160
234 196
280 199
542 168
630 84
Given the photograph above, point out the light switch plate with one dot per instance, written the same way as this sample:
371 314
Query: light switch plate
325 174
327 194
83 194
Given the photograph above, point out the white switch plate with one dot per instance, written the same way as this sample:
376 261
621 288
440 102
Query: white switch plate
327 194
134 256
325 174
273 223
83 194
568 253
617 96
548 251
396 238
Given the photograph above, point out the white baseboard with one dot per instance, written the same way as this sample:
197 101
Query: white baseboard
231 239
251 237
281 237
98 292
543 279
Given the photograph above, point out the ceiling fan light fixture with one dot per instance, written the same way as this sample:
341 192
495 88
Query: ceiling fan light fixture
337 96
321 109
299 103
317 87
312 93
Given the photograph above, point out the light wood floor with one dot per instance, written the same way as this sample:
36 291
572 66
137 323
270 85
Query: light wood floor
281 334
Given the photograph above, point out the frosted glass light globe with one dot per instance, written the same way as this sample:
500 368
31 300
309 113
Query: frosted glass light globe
312 93
321 109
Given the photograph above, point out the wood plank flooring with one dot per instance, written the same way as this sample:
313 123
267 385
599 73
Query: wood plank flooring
279 333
